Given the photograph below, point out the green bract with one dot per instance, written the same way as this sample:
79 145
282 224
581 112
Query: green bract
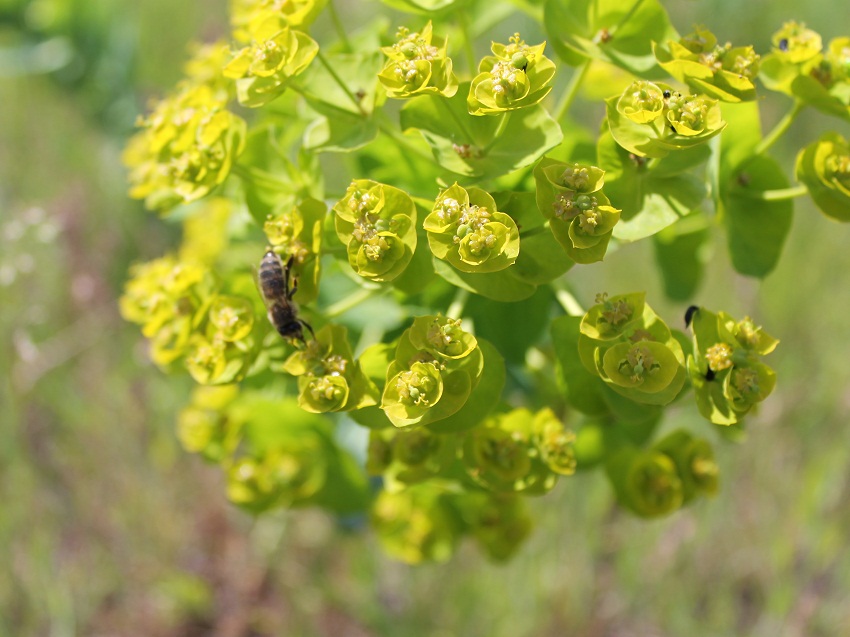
329 378
185 149
417 64
436 367
251 17
646 482
263 69
378 224
580 216
515 76
824 167
694 460
465 229
638 125
725 370
632 350
722 72
297 233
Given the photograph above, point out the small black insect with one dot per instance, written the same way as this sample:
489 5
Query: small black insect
783 44
277 295
709 374
672 128
667 95
689 315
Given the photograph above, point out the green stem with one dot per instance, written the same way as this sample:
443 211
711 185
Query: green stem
259 177
463 18
781 126
458 304
341 83
780 194
351 301
535 230
566 299
570 93
425 203
443 103
338 27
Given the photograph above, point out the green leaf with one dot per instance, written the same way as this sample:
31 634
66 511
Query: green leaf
499 286
610 30
584 390
680 252
512 327
338 130
756 229
359 73
474 145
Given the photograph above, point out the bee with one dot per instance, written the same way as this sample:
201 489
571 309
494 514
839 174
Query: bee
277 294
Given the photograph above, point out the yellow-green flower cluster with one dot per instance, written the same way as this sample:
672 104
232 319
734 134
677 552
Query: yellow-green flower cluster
202 426
519 451
263 69
329 377
632 350
427 521
378 225
465 229
185 147
436 366
660 480
251 17
726 371
515 76
724 72
651 119
418 64
580 215
800 67
824 167
170 300
297 232
408 456
186 317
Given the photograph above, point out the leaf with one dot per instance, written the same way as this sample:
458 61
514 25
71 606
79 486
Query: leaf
583 389
474 145
499 286
608 30
359 73
338 130
680 255
756 229
512 327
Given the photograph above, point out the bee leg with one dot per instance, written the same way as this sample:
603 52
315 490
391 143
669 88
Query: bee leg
290 292
307 325
286 269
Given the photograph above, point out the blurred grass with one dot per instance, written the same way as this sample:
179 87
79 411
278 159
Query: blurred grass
108 528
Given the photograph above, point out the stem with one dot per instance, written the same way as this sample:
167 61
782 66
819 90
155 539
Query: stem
259 177
351 301
572 90
339 81
467 41
780 128
338 27
780 194
500 128
566 299
443 104
425 203
535 230
456 308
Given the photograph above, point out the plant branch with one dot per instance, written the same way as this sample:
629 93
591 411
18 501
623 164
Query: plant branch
351 301
324 61
781 126
458 304
780 194
338 26
570 93
463 18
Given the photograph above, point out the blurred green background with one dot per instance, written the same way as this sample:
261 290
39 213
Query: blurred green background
108 528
